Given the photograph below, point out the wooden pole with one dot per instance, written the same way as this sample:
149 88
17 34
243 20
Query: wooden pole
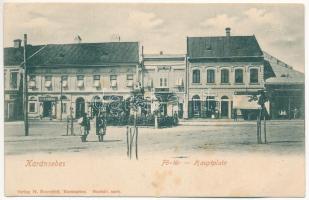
25 88
128 141
61 98
68 121
136 149
257 129
265 129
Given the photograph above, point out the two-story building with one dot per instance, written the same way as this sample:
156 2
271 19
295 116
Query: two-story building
13 96
72 76
164 78
222 73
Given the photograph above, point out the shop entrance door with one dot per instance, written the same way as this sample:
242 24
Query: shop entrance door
47 109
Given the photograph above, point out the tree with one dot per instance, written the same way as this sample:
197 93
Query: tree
261 100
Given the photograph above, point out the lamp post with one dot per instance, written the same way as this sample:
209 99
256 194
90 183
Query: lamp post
25 88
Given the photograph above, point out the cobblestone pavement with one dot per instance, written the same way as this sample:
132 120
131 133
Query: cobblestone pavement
284 137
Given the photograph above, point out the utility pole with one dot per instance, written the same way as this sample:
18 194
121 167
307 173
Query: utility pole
25 88
61 81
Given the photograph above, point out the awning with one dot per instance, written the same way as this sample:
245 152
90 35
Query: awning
242 102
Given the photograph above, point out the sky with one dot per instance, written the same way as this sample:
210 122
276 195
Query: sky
279 28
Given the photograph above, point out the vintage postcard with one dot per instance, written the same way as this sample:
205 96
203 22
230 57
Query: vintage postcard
154 99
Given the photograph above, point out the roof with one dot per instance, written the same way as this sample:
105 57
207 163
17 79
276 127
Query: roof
76 54
15 56
223 47
164 57
283 73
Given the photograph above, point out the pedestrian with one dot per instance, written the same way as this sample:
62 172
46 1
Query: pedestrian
235 114
86 125
101 126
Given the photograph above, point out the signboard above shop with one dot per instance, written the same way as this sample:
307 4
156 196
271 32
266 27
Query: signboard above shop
42 99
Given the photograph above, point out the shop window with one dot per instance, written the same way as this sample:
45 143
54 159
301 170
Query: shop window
239 76
210 76
254 75
224 76
196 76
31 107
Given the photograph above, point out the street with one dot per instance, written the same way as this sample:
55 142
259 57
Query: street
284 137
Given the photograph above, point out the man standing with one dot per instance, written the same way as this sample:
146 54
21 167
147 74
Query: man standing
86 125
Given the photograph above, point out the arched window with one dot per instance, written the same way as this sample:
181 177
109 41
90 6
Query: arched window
210 76
254 75
239 76
224 76
196 76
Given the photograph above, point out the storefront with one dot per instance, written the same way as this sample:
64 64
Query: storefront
48 107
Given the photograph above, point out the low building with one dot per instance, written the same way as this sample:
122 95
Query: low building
285 88
164 78
67 79
13 87
223 72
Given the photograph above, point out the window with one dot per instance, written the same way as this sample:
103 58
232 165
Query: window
13 82
96 81
129 76
80 77
224 76
96 77
210 76
130 80
239 76
32 83
163 82
254 76
113 77
196 76
80 81
31 107
64 80
48 82
64 108
113 80
48 78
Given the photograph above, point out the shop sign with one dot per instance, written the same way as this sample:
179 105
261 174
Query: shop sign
42 99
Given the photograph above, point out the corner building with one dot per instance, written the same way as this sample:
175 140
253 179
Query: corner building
222 73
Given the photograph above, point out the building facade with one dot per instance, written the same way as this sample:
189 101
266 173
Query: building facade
222 73
216 78
72 77
164 78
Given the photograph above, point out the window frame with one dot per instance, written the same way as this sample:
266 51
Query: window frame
257 75
196 76
242 75
208 76
222 75
34 107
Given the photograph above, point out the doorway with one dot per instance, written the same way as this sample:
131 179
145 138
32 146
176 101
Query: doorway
47 109
224 107
196 106
80 107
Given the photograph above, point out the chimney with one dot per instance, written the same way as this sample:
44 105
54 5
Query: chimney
161 52
17 43
228 31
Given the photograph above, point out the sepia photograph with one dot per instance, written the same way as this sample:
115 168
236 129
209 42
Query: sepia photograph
154 99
